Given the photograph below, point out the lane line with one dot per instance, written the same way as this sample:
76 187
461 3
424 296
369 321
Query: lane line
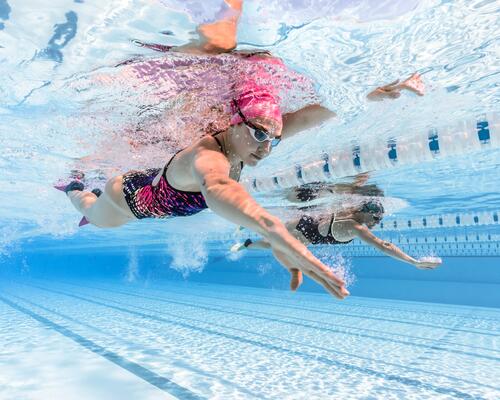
138 370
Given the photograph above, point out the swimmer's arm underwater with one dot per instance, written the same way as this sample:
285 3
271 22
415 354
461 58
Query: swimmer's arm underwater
315 115
219 36
392 90
306 118
363 233
229 199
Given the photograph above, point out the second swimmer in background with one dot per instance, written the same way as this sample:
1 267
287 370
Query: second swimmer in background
341 228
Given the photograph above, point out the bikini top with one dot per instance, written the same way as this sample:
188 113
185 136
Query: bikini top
308 226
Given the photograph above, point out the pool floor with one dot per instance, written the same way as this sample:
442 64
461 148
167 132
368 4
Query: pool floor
103 340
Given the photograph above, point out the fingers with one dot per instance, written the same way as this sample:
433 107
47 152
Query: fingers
391 93
320 273
427 265
327 274
335 291
391 84
414 84
412 89
296 280
301 261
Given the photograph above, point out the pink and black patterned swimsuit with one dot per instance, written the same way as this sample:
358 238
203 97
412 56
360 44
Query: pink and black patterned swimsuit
161 200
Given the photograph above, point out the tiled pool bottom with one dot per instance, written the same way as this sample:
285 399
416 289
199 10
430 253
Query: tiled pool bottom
98 340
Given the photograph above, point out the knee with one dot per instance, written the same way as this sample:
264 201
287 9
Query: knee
114 186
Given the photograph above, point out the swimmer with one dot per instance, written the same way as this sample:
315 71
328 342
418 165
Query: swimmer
205 174
342 228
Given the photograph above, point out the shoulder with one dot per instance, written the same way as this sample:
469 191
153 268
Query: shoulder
207 142
349 226
207 158
344 230
206 146
347 223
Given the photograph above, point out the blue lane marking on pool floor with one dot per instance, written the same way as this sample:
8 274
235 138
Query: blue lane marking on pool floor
290 321
149 376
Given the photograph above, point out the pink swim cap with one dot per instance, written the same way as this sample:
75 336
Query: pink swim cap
256 101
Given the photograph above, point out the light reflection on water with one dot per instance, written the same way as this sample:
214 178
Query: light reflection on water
345 49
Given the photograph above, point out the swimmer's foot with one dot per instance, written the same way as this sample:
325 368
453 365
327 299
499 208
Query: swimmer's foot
97 192
83 221
73 185
77 185
75 175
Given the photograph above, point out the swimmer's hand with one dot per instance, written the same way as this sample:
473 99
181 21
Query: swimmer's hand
413 84
428 262
295 257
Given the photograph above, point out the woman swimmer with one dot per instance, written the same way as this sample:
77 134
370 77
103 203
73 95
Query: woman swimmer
342 228
205 174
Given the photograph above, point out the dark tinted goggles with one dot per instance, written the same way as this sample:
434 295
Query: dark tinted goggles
260 135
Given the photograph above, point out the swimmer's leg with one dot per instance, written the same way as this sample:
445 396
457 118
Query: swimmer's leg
83 201
251 245
100 211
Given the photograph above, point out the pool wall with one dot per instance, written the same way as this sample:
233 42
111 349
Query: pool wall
460 280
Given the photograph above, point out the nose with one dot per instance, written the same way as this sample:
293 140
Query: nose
265 148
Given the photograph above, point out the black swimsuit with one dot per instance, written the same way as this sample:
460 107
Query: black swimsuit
161 200
308 226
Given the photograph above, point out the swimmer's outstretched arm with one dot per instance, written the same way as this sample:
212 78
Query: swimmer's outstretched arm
388 248
230 200
315 115
413 84
306 118
264 245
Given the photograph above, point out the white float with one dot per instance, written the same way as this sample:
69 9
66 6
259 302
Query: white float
466 137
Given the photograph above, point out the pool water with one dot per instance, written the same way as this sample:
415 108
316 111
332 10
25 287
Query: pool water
162 309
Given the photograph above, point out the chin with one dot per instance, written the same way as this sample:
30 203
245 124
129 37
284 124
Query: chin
252 161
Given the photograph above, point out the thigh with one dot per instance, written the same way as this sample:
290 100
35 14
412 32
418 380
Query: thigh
104 213
110 209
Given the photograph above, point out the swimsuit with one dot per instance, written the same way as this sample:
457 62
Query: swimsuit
308 226
162 200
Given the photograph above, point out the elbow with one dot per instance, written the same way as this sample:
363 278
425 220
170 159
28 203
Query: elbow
386 246
214 184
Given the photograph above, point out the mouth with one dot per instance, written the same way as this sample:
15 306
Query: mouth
256 156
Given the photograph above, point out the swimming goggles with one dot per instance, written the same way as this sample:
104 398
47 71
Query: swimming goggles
375 210
260 135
